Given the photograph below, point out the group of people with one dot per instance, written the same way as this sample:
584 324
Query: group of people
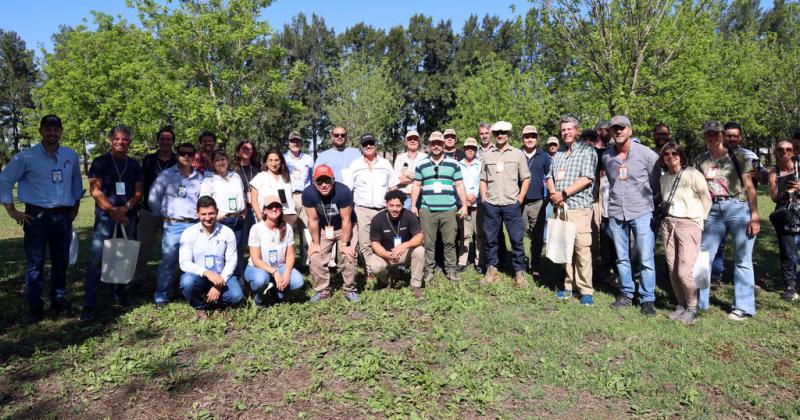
435 207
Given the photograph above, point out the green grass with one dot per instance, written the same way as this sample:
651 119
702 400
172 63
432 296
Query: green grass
467 351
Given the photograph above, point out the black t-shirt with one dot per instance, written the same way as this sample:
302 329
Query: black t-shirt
328 208
111 171
383 229
151 167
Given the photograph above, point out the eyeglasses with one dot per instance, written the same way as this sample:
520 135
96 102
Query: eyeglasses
785 149
412 139
340 135
274 207
323 181
185 154
671 153
365 145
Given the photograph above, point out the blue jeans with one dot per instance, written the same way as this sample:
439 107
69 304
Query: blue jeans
104 229
194 288
494 218
46 229
645 246
170 243
718 263
258 280
547 215
732 216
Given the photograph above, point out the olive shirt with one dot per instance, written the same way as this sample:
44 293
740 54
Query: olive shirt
723 180
503 171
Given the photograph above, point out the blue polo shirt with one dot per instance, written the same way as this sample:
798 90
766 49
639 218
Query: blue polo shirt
539 166
175 196
44 180
110 171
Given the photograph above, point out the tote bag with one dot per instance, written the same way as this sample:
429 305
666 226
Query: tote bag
560 237
702 270
119 258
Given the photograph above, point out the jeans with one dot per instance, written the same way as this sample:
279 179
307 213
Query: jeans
645 247
732 216
718 263
170 243
194 288
258 280
788 246
104 228
46 229
534 219
511 216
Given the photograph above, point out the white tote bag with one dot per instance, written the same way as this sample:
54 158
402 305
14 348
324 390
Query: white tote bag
702 270
119 259
73 248
560 237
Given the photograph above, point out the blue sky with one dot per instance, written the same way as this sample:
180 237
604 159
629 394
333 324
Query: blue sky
36 20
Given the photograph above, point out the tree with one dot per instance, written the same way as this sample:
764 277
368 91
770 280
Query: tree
18 76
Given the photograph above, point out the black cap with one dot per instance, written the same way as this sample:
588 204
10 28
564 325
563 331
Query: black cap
368 138
50 120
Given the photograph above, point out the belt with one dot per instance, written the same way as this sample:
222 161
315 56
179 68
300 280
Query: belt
239 215
719 199
371 208
171 220
30 208
527 201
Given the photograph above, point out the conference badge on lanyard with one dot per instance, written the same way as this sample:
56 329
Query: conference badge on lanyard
57 176
182 191
120 188
623 173
397 241
272 258
232 203
329 233
711 173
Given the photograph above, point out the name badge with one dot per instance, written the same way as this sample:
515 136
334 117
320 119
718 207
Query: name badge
120 188
500 167
57 176
329 233
711 172
562 173
182 191
397 241
272 258
232 203
297 175
437 187
209 262
623 173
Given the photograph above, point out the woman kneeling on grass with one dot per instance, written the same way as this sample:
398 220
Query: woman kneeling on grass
272 257
683 227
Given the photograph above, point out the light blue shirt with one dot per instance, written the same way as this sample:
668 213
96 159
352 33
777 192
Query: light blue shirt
44 180
300 170
199 251
174 196
471 174
338 161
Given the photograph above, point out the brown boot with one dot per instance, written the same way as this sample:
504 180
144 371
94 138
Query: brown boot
490 277
520 280
201 314
417 293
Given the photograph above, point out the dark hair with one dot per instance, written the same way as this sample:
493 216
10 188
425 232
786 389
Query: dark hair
218 152
660 125
589 134
206 201
207 133
166 129
280 224
283 170
395 194
119 129
237 161
730 125
673 146
186 145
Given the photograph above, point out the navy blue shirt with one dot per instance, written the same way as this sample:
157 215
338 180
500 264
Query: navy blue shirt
151 167
329 208
111 171
539 166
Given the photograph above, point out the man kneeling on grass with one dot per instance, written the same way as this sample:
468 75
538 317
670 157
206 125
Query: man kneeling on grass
207 258
397 239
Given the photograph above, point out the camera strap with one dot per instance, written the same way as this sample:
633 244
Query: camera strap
674 188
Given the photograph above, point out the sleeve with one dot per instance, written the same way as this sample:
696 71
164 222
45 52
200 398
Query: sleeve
254 239
230 255
418 173
240 190
746 164
305 197
701 189
393 178
414 226
457 175
289 238
655 176
96 169
522 167
376 228
548 162
256 182
346 199
77 182
207 187
185 254
9 176
588 165
156 194
347 176
138 175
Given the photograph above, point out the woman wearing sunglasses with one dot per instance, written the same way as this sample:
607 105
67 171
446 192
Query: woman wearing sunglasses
271 264
784 187
686 198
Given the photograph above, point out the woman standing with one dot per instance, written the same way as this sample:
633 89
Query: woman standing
272 254
783 188
225 187
685 192
273 181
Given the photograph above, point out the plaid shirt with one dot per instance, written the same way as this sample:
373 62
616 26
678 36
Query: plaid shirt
567 168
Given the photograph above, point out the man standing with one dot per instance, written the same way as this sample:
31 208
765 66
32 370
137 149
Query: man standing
202 160
533 208
174 196
633 173
116 184
150 224
208 259
661 136
397 238
300 167
329 206
406 163
49 183
471 173
370 178
486 146
438 181
603 132
570 189
485 137
450 149
505 180
339 156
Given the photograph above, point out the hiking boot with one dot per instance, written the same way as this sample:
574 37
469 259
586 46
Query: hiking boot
319 296
789 296
201 315
563 294
161 305
352 297
738 315
88 314
688 317
417 291
621 302
453 277
490 277
676 314
122 302
647 308
520 280
461 268
587 300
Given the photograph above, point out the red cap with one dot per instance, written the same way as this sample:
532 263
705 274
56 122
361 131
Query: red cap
323 170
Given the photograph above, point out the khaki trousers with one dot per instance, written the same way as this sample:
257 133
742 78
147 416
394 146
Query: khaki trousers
147 229
321 275
579 273
468 236
414 259
533 218
681 246
365 216
443 222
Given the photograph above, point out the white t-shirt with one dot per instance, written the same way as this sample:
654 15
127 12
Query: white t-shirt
227 192
273 250
268 184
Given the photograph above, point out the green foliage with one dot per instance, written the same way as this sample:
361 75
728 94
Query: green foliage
18 74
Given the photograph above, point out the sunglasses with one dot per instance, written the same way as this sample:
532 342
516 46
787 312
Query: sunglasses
323 181
785 149
274 207
412 139
670 153
365 145
501 133
340 135
185 154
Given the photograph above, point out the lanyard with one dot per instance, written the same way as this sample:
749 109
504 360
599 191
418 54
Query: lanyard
396 232
119 175
324 209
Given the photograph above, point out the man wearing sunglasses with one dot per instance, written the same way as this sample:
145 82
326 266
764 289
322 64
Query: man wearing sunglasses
406 163
174 196
339 156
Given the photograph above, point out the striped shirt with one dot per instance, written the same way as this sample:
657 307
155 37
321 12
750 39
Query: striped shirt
438 183
568 167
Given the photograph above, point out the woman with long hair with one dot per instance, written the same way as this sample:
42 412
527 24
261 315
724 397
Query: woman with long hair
272 257
783 189
273 181
225 187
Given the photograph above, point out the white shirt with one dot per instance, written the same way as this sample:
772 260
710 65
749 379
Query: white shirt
273 249
227 192
404 164
199 251
369 185
300 169
268 184
471 175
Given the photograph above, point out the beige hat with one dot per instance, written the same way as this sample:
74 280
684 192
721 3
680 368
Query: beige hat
470 142
529 129
552 140
449 132
435 136
294 135
501 126
271 199
412 133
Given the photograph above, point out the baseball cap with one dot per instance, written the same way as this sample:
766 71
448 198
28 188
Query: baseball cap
368 138
449 132
50 120
620 120
601 125
552 140
294 135
529 129
435 136
715 126
470 142
323 170
412 133
271 199
501 126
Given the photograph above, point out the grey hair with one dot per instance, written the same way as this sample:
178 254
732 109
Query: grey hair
119 129
484 125
568 119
